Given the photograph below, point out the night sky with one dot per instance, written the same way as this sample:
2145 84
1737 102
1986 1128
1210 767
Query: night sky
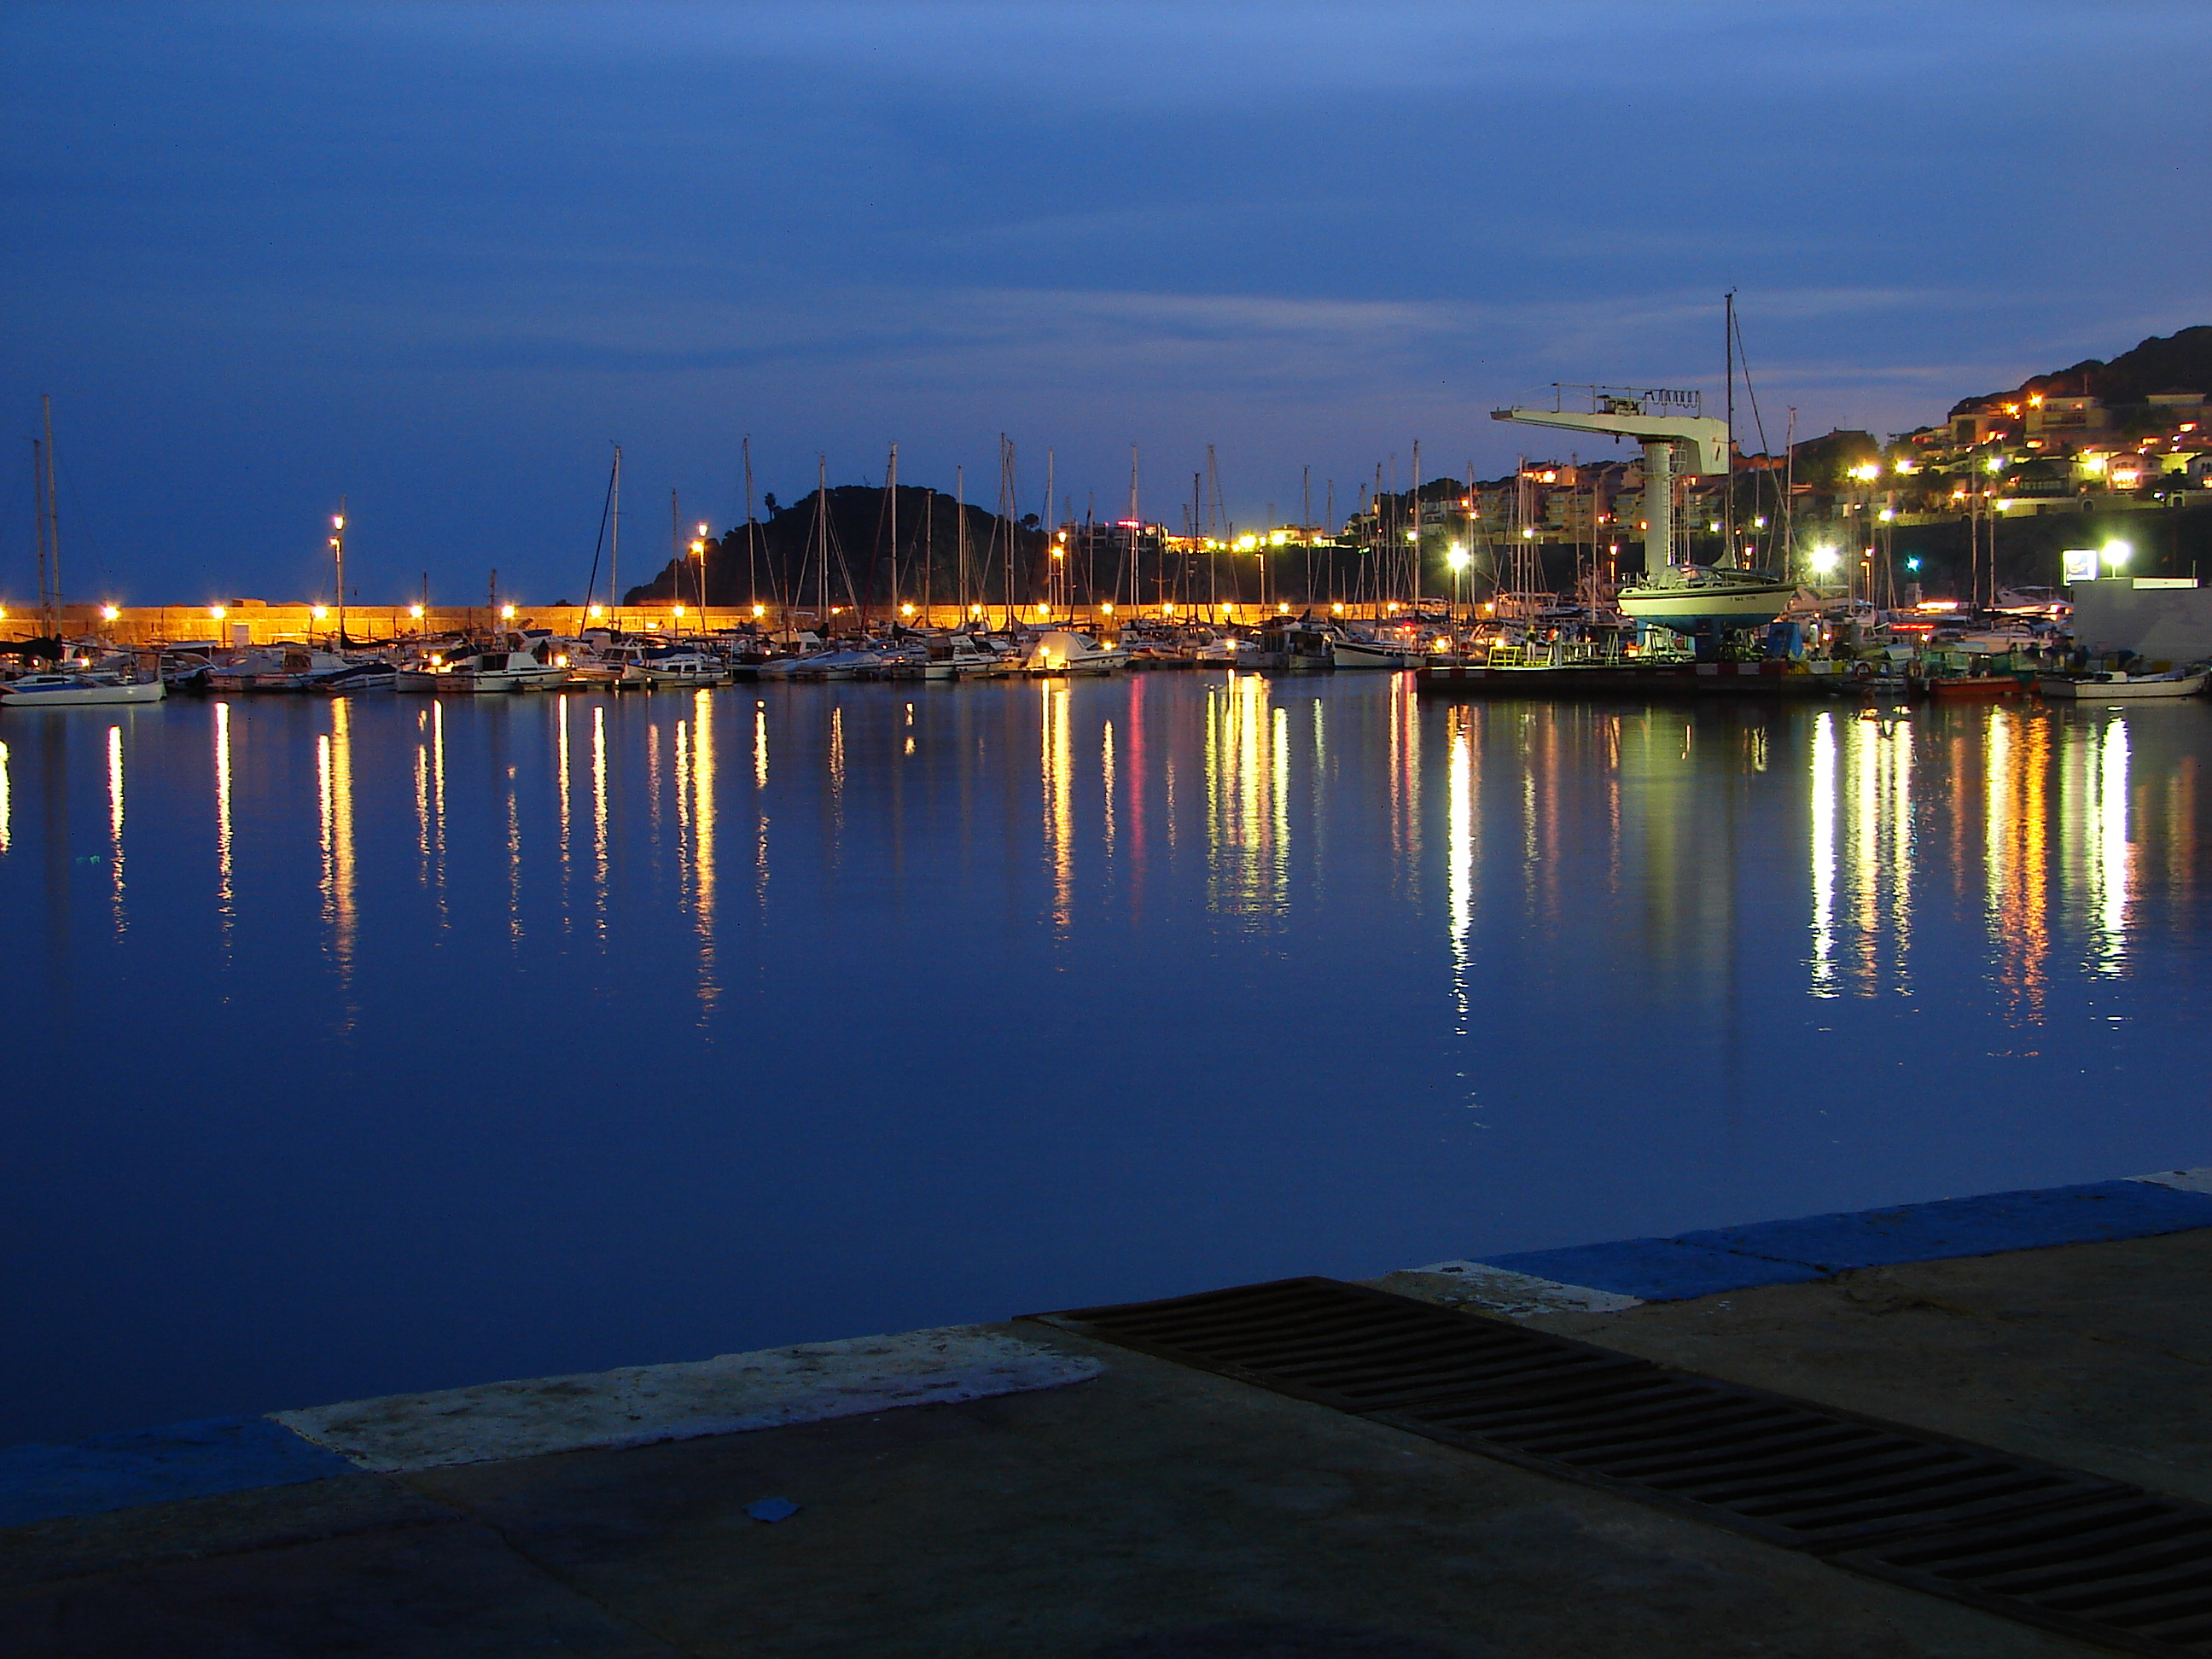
437 257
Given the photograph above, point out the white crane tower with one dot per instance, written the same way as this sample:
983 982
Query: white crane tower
1661 422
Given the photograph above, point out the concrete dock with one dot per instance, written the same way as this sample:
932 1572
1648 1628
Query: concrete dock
1055 1495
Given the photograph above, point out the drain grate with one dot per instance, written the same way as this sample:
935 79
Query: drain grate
2092 1557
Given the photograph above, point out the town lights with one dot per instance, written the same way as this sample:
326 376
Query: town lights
1913 564
1457 560
1995 463
1866 471
2116 557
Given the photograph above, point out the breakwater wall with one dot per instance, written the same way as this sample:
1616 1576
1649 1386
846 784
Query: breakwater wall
251 622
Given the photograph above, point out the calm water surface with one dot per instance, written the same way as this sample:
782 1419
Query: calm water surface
401 1043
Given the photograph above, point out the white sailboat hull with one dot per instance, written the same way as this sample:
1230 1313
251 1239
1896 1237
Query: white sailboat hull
81 695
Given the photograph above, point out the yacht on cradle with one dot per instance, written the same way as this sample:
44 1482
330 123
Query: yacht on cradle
1681 596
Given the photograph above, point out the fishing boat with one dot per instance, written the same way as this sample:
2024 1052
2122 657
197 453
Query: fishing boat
59 690
2118 685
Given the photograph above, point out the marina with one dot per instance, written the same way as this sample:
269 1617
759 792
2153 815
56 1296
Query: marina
621 1026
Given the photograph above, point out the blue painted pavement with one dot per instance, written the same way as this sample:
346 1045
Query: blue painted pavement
1718 1259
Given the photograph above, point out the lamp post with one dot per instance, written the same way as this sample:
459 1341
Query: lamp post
337 552
1458 560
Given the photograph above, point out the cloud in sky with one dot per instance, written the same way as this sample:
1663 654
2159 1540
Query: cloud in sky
438 256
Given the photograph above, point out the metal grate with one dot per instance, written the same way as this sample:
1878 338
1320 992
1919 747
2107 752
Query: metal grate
2077 1553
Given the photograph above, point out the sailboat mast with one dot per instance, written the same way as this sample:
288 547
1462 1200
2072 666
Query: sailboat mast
1136 541
1055 575
960 539
614 546
39 522
1728 494
675 552
890 508
51 602
752 568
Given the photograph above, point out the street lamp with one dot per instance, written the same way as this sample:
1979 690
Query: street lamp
1458 560
1824 561
2116 557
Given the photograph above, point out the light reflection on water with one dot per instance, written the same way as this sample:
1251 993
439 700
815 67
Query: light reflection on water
423 1043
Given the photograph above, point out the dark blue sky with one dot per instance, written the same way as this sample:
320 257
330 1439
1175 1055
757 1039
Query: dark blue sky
437 257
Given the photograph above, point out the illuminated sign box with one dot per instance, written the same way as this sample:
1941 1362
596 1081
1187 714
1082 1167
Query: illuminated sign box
2078 564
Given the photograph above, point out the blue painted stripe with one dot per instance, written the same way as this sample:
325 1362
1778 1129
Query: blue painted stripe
1987 1226
1653 1269
1719 1259
156 1466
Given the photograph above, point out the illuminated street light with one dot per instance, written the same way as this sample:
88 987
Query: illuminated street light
415 611
759 611
218 611
108 613
678 611
506 613
2116 557
318 611
595 611
1824 561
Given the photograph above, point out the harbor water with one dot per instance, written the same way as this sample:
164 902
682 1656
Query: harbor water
359 1045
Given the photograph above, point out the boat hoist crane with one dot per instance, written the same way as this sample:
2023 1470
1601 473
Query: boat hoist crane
1669 427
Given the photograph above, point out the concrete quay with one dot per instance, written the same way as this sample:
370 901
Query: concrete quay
1018 1490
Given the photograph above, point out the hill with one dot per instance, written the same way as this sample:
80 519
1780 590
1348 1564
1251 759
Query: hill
2182 359
775 561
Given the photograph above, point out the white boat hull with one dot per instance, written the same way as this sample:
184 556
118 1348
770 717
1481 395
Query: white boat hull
2186 685
1733 607
81 697
1363 654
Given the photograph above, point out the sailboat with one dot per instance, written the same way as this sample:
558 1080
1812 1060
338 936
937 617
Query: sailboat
63 688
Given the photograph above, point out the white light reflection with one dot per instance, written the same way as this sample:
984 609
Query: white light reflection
1056 772
599 819
225 907
2111 868
4 805
1459 854
702 845
1824 855
115 825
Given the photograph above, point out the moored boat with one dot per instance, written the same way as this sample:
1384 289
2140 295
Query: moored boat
59 690
2118 685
